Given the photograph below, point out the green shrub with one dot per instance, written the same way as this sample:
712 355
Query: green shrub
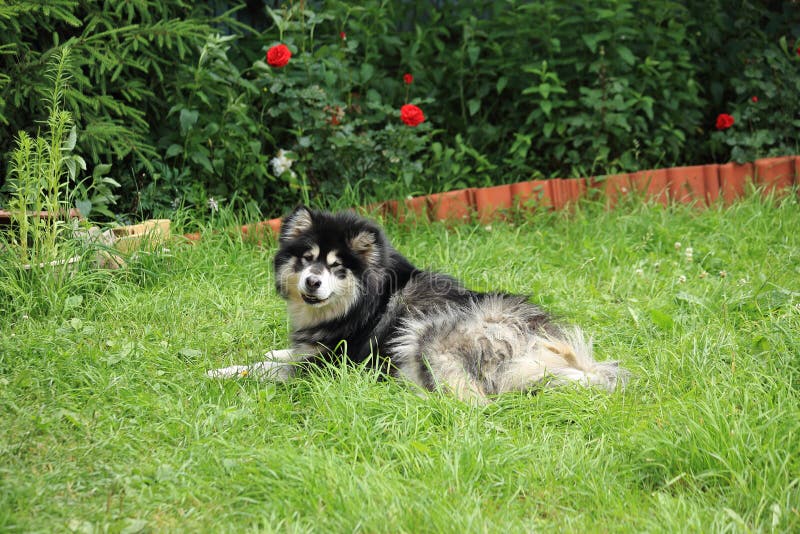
752 69
123 56
558 88
181 102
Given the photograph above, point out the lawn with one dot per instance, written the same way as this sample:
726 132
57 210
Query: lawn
107 421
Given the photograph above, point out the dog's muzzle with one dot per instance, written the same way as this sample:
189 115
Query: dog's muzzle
314 288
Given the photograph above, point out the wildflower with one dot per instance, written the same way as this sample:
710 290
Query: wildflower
681 279
411 115
723 274
677 245
688 254
278 56
639 272
408 79
742 281
281 163
488 227
704 274
342 36
213 205
754 99
724 121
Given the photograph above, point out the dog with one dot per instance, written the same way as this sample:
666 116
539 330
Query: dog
346 287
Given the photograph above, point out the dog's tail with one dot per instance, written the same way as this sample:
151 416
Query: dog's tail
577 361
555 359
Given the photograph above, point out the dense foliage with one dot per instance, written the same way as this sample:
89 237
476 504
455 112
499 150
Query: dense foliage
179 99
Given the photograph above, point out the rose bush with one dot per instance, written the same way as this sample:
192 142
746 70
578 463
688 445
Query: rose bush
335 113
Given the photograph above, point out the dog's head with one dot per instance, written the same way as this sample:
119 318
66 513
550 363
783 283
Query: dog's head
325 262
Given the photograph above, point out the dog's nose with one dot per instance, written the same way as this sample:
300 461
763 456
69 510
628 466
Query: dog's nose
313 282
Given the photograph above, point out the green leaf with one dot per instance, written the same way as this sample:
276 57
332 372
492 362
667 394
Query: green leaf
546 106
134 526
124 352
688 298
473 52
173 150
544 90
202 160
72 302
71 168
501 84
662 320
366 73
188 119
72 138
190 353
626 55
100 169
591 41
474 106
84 206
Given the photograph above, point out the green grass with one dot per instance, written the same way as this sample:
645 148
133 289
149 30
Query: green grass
107 421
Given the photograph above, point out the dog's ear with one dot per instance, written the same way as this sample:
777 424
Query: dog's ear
367 244
297 222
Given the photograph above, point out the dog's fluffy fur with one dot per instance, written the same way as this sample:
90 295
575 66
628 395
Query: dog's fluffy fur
344 282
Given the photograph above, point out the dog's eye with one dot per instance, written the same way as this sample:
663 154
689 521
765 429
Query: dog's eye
308 256
336 264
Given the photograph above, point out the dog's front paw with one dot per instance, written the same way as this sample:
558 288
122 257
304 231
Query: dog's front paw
267 370
234 371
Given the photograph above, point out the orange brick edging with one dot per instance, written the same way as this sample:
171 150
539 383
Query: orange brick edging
701 185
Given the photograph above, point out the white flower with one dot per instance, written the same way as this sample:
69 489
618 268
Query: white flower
213 205
723 274
681 279
704 274
639 272
281 163
677 245
688 253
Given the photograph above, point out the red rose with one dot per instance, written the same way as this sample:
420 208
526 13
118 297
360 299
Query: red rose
342 36
754 98
408 79
279 55
724 121
411 115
